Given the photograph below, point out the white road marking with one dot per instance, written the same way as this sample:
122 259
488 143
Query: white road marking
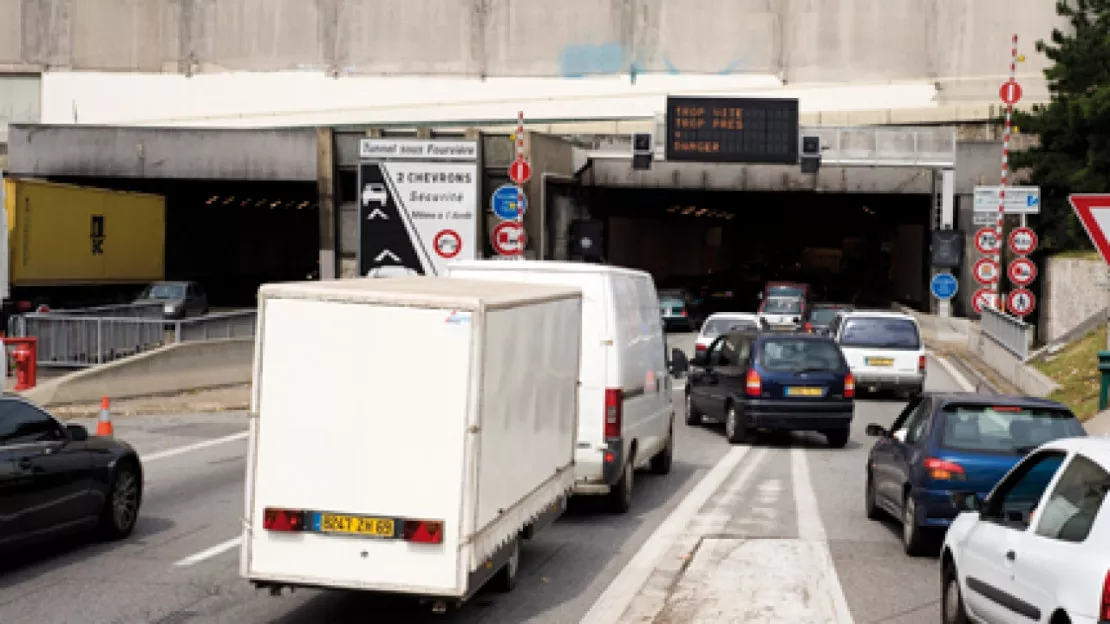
208 553
623 589
181 450
812 529
953 373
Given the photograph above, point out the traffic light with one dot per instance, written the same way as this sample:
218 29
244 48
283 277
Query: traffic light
811 154
643 150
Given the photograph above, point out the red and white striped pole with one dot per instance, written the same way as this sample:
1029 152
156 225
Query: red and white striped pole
1006 129
520 187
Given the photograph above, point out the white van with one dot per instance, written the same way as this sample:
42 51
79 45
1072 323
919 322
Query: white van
625 412
884 349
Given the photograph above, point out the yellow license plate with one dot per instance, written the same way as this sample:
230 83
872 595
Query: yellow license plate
357 525
806 392
880 361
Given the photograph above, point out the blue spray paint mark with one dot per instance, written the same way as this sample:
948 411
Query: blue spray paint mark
732 67
671 68
581 60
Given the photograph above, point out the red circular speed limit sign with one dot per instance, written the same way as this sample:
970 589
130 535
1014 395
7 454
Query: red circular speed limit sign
1023 241
1022 272
986 271
986 241
1021 302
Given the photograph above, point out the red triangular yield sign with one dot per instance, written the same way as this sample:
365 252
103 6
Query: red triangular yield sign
1093 210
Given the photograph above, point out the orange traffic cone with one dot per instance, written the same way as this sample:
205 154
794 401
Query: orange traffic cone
104 425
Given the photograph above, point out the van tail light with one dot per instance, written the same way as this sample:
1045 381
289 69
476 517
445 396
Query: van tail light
283 520
700 347
921 361
1104 609
423 531
941 470
849 386
754 384
808 327
614 404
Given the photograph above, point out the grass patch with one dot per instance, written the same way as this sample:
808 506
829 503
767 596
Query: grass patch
1079 254
1075 368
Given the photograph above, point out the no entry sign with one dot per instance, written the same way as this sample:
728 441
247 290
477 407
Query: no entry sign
1022 272
986 271
520 171
1023 241
986 240
1010 92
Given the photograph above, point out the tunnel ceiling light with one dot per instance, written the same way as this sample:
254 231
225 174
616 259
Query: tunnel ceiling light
213 199
701 212
687 211
229 200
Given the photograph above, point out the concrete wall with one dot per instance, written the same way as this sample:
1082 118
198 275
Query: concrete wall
20 100
961 44
171 369
1070 294
185 153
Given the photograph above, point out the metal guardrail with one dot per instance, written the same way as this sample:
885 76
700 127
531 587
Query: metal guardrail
1009 332
153 310
77 341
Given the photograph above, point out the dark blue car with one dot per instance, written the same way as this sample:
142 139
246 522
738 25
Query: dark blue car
953 442
787 382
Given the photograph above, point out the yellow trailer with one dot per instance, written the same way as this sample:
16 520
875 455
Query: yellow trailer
66 235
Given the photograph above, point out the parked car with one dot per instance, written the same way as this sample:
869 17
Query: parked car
884 349
947 442
787 382
822 315
783 313
179 299
621 423
681 309
1037 548
55 479
723 322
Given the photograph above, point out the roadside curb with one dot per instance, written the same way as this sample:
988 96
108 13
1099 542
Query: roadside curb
953 372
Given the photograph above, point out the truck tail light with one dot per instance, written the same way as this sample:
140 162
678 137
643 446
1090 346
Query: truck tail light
283 520
849 386
941 470
921 361
1104 609
754 385
614 404
423 531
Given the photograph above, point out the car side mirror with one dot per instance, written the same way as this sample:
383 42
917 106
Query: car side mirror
77 433
967 501
679 363
875 430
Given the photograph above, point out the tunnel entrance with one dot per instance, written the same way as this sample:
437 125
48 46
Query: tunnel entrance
231 236
867 249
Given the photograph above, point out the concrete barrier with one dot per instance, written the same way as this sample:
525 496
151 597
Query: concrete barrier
171 369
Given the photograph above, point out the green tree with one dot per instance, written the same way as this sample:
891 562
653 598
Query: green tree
1073 155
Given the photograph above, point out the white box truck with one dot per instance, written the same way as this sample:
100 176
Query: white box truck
407 434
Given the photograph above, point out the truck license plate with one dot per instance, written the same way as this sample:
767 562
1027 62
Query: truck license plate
356 525
805 392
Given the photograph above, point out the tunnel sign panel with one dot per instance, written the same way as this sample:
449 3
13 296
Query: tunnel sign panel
944 286
732 129
416 214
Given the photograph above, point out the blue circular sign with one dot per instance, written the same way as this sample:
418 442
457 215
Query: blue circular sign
504 202
944 286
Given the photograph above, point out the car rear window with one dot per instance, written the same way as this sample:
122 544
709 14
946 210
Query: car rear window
800 354
672 302
783 306
716 327
1005 429
823 316
785 291
880 333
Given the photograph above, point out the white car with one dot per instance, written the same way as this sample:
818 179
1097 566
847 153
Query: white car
884 349
1037 549
722 322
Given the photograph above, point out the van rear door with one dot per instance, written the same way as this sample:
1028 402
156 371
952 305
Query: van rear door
881 345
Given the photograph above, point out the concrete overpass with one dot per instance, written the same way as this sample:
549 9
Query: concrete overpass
960 47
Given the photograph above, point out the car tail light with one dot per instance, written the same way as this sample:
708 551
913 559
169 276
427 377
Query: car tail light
808 327
921 361
423 531
700 347
941 470
754 384
1104 609
849 386
683 311
283 520
614 399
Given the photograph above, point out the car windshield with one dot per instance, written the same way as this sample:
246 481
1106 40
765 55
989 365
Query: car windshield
823 316
1005 429
785 291
718 326
164 291
800 355
783 305
880 333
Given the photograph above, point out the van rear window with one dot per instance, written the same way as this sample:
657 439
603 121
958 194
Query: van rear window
880 333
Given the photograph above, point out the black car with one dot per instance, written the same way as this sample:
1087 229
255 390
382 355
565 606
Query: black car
779 381
821 316
56 479
179 299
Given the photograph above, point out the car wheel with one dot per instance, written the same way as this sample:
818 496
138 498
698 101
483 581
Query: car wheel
620 498
661 463
951 600
121 506
693 416
869 504
837 438
735 431
913 540
505 579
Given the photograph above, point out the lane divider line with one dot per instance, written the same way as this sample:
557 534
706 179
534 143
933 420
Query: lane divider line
620 593
812 529
181 450
208 553
956 375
